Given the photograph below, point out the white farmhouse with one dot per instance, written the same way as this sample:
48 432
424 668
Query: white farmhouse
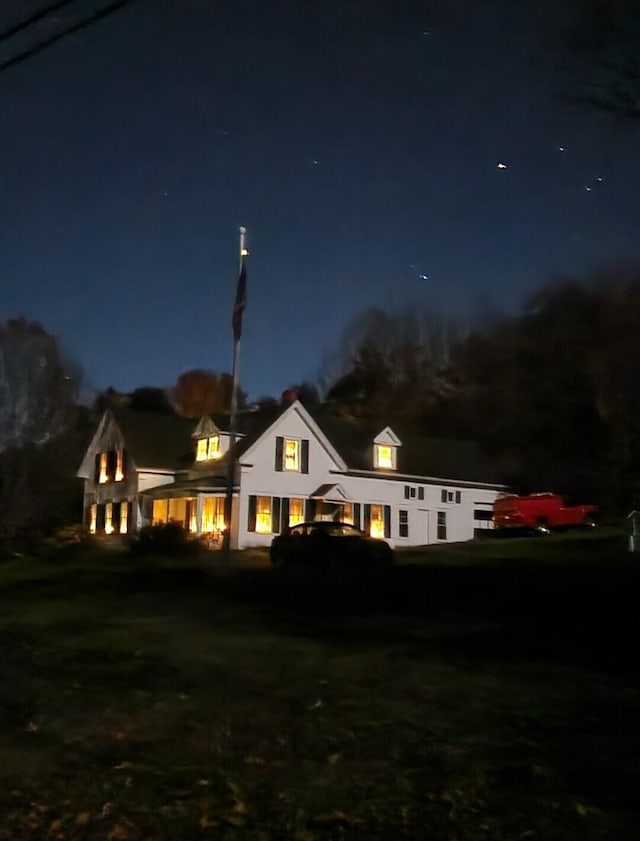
291 465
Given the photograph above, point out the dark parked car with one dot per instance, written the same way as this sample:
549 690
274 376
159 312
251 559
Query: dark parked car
328 542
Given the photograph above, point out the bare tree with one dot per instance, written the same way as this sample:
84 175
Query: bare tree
38 388
41 436
388 360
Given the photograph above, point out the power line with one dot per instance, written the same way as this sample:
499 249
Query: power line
43 13
58 36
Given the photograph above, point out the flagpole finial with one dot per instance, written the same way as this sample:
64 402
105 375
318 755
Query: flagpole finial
243 230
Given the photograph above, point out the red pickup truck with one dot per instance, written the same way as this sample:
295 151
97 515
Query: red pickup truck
541 512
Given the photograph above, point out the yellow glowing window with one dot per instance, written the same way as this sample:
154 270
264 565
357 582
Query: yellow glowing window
347 513
208 449
193 516
212 514
93 519
376 527
296 511
263 515
119 465
102 478
124 516
160 511
213 447
291 454
108 518
178 510
384 456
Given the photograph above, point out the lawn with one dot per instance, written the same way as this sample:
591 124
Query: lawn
485 691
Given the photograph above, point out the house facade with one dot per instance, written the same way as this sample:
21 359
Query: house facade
290 466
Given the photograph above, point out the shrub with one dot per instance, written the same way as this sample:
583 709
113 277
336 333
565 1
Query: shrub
163 539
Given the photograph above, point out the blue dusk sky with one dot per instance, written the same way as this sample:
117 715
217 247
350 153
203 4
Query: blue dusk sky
358 141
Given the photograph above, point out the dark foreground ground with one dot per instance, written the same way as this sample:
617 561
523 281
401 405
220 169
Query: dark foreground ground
487 691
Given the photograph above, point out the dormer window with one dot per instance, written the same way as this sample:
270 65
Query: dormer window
208 449
385 450
384 456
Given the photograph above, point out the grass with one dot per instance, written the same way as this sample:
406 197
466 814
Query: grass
476 692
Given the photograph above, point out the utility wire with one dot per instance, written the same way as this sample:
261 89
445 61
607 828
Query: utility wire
70 30
43 13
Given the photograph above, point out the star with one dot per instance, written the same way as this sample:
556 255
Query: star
315 162
501 165
561 148
588 189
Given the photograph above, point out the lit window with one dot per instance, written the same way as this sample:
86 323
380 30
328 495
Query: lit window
178 511
93 520
124 515
192 509
213 447
347 513
103 476
376 527
201 451
291 454
296 511
263 515
108 518
384 456
208 449
160 511
212 514
119 465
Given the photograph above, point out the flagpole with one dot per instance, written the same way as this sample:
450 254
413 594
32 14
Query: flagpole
233 410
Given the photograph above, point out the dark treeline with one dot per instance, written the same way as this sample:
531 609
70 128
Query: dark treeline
553 392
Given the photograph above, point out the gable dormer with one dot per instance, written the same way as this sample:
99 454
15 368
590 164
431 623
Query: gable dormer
212 443
209 443
385 450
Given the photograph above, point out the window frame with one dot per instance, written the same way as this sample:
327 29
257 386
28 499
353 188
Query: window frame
441 525
296 456
103 475
403 522
119 471
377 448
264 517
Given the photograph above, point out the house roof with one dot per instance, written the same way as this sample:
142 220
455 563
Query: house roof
164 441
160 441
157 441
419 454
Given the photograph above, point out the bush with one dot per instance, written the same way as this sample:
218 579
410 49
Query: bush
163 539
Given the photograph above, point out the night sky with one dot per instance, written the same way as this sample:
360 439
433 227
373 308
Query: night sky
357 140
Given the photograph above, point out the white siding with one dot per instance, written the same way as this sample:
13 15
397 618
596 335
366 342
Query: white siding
258 477
146 480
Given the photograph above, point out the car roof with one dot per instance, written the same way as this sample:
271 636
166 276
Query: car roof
323 524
